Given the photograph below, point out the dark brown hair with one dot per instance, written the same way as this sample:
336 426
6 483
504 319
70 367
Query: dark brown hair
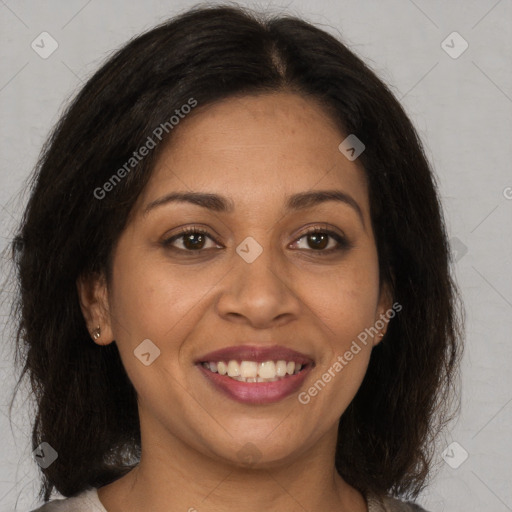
86 405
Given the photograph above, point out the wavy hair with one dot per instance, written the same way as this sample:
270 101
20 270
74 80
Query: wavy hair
86 407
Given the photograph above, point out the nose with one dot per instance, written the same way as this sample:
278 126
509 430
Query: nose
261 294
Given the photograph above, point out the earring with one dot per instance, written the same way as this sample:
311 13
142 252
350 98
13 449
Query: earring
96 333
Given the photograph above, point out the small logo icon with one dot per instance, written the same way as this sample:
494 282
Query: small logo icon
45 455
249 249
351 147
455 455
459 249
249 454
44 45
454 45
147 352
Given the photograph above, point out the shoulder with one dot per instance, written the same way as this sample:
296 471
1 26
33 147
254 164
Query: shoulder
86 501
396 505
389 504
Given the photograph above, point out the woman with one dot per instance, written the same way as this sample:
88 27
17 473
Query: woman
234 280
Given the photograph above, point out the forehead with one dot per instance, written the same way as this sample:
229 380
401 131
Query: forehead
256 149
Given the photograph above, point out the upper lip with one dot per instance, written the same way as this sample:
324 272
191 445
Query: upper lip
255 353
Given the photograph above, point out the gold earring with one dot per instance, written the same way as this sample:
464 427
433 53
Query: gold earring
96 333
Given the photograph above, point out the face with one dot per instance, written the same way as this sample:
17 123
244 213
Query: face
265 267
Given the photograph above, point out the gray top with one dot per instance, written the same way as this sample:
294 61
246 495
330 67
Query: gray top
88 501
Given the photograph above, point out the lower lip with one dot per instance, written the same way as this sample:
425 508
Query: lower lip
256 392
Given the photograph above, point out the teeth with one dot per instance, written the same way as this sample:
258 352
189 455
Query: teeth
233 369
248 369
267 370
251 371
281 368
221 367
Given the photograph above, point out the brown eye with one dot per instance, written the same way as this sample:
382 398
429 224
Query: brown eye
318 240
192 240
322 241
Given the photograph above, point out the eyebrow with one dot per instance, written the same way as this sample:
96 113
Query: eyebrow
217 203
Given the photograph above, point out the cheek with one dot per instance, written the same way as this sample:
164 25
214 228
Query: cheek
344 300
149 302
152 299
346 312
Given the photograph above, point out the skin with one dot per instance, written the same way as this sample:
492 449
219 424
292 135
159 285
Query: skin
255 151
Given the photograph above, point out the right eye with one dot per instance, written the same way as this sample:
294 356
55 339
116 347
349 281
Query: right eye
193 239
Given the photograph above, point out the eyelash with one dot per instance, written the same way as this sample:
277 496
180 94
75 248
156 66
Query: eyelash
343 243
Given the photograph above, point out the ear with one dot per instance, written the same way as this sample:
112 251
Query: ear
93 296
385 304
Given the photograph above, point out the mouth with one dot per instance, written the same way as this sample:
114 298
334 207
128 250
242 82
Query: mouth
252 371
255 375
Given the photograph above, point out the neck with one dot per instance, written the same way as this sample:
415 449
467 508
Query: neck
174 476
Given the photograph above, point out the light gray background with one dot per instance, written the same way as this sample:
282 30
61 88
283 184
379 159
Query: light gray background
462 108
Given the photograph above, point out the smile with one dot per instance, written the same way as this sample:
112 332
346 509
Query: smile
252 371
253 374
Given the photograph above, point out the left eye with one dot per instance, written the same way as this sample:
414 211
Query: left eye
318 240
